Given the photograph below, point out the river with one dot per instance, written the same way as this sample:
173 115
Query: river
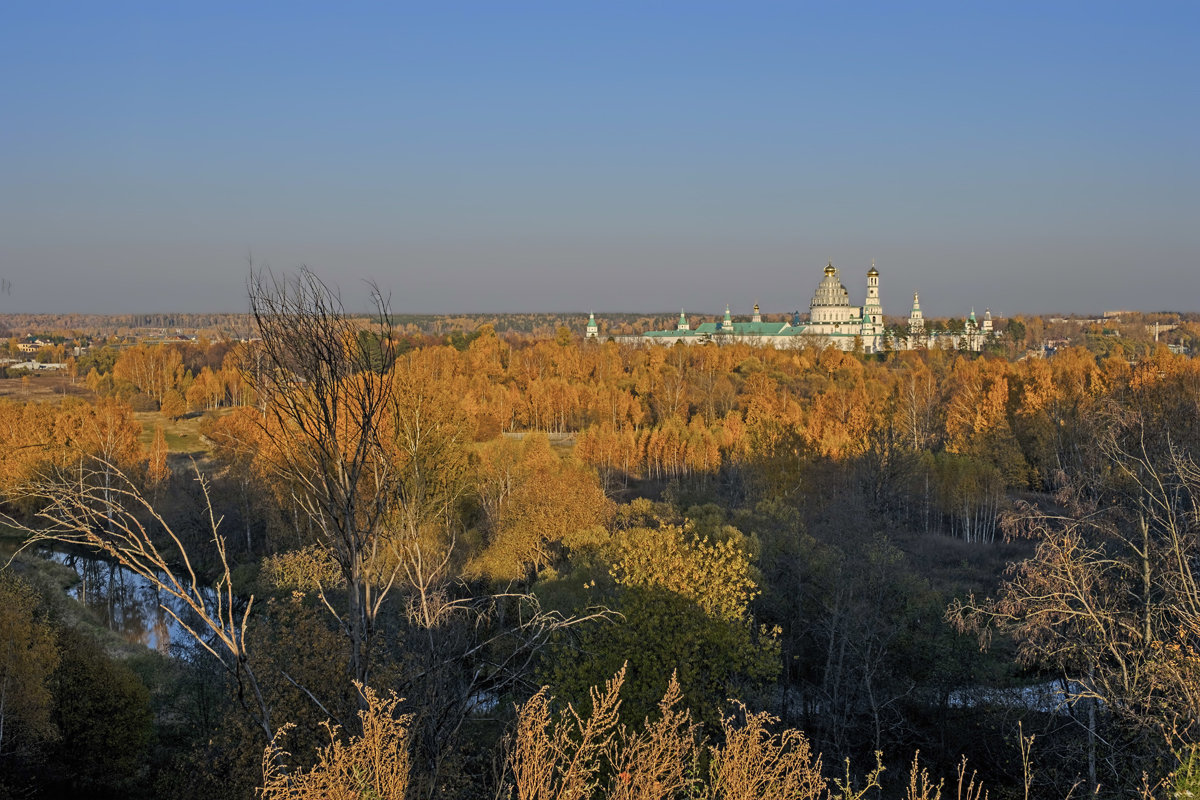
119 599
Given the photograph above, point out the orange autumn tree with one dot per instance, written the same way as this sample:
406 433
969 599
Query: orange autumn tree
534 502
40 437
151 369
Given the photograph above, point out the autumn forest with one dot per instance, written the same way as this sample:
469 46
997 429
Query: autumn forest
485 565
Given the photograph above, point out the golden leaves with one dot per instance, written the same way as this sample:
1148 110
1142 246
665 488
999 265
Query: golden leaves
716 575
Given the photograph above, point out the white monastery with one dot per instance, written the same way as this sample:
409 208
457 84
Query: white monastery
831 320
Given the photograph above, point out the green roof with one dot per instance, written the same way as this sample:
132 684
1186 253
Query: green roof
759 328
740 328
751 329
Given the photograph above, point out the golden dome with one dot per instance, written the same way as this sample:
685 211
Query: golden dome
829 270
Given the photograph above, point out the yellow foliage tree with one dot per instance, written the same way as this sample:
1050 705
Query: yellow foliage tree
718 576
157 470
28 656
534 502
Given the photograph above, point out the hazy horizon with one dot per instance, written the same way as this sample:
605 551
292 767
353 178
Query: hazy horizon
532 157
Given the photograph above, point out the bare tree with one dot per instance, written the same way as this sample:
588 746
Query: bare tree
325 383
1111 598
372 453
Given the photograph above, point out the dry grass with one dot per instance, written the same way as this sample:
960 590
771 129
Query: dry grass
559 757
584 756
374 765
42 388
569 755
753 763
590 756
654 761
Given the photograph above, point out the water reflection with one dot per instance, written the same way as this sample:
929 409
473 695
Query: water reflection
128 604
124 602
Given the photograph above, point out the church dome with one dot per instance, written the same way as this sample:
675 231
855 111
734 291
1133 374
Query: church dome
831 292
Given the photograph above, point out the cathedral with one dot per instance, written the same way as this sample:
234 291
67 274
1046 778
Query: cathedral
831 320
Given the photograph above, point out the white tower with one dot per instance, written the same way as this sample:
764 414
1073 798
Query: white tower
683 323
593 330
757 316
987 322
916 321
872 310
727 323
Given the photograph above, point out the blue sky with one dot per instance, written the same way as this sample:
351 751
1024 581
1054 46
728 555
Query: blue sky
505 156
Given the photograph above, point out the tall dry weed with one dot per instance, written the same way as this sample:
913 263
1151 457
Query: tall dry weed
656 761
374 765
559 757
755 764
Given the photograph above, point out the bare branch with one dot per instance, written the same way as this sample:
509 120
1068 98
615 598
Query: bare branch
99 507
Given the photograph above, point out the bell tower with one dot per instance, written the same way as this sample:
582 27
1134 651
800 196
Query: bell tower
872 310
916 321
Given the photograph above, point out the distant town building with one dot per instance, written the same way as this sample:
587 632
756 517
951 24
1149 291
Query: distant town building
37 366
32 345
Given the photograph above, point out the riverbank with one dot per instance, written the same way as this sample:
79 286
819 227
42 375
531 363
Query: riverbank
92 596
35 568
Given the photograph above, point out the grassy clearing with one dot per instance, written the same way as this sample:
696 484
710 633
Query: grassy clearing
561 443
41 387
958 567
182 435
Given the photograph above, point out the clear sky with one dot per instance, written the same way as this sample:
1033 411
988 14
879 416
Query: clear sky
569 155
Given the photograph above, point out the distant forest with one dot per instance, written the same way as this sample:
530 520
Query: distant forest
241 326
